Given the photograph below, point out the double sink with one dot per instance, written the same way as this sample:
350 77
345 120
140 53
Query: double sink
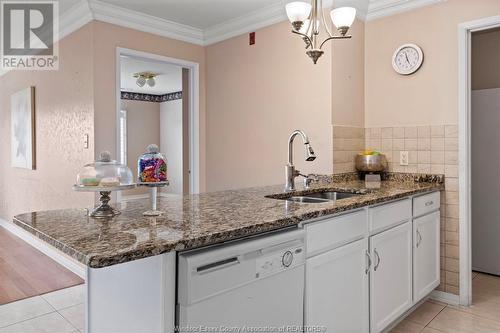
319 197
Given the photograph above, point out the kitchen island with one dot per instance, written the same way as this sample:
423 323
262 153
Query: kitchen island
132 259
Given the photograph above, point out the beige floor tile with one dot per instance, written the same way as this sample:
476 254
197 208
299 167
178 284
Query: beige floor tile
407 326
425 313
66 297
454 321
483 308
50 323
431 330
75 315
23 310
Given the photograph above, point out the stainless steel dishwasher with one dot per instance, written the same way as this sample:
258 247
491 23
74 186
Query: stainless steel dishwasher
256 283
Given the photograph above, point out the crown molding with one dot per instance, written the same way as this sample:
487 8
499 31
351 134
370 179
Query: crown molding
135 20
383 8
74 18
252 21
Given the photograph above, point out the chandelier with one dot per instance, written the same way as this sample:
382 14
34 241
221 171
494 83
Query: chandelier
303 14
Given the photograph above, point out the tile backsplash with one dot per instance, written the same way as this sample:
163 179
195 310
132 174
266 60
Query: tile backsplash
432 150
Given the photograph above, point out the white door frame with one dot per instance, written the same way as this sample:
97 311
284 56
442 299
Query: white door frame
194 108
464 121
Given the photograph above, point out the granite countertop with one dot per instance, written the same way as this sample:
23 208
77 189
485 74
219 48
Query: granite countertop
198 220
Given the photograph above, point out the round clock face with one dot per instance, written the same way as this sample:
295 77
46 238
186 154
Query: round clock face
407 59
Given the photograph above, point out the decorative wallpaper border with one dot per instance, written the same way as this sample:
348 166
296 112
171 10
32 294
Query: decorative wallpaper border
151 98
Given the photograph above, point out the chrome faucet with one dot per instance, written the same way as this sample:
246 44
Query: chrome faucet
290 171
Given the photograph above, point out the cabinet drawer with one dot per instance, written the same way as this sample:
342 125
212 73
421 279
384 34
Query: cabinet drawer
426 203
334 232
388 215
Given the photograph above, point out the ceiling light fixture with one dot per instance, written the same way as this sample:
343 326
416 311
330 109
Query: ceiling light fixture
145 77
301 14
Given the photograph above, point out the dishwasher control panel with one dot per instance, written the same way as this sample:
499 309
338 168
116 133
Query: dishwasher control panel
280 260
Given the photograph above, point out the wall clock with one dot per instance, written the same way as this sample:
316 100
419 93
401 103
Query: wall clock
407 59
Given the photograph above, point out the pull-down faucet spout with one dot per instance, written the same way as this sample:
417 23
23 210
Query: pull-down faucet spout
290 171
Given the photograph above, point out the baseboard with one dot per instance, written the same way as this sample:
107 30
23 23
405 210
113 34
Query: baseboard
50 251
447 298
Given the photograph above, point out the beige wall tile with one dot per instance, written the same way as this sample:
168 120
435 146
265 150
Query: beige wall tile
411 168
451 157
451 170
423 131
424 157
437 169
398 144
411 144
413 157
451 184
451 238
387 132
451 265
437 131
398 132
451 144
424 168
437 144
452 251
386 145
424 144
376 133
451 131
437 157
451 224
411 132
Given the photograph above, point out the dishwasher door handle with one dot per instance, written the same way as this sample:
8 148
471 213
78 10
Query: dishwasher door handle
218 265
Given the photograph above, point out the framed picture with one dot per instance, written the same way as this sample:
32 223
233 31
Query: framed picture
22 128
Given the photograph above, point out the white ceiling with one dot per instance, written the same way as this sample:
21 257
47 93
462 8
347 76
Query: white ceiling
169 79
201 14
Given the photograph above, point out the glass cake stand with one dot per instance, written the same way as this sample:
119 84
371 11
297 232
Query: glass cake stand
104 210
154 197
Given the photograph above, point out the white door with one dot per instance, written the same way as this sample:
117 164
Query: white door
337 289
391 275
425 255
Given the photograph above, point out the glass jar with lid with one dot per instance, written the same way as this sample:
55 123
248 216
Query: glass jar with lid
152 166
105 173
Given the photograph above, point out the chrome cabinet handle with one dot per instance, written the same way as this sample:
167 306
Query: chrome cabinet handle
429 203
378 260
419 238
369 257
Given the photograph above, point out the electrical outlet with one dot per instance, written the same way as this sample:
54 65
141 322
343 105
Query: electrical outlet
403 158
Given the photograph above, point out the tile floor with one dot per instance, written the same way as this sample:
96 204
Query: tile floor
63 312
482 317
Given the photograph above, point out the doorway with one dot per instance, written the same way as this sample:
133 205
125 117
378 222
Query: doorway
157 103
468 150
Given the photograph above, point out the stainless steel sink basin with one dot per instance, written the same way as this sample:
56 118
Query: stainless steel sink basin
305 199
321 197
332 195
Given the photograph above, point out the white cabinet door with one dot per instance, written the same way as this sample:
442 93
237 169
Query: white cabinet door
425 255
391 275
337 289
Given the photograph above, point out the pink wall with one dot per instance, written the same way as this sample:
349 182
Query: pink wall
256 96
107 38
64 113
429 97
348 78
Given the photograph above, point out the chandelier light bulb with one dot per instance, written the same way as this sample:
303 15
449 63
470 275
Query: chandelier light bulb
141 81
151 82
343 18
298 12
